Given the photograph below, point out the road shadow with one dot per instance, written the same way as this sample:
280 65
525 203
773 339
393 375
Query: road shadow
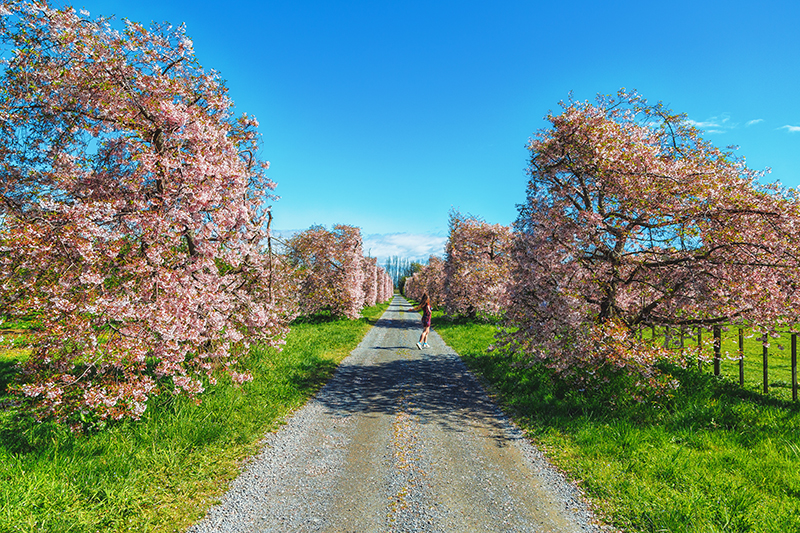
434 385
394 323
436 388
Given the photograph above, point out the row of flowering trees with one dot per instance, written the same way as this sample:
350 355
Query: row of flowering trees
332 273
631 219
473 278
133 219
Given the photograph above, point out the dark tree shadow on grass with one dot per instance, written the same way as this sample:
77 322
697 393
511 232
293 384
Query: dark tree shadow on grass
323 317
313 373
541 401
8 369
20 432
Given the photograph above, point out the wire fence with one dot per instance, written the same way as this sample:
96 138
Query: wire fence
763 361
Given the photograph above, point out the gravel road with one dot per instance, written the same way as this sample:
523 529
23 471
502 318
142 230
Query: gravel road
400 439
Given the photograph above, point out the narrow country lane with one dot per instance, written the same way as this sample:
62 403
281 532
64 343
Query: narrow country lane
400 440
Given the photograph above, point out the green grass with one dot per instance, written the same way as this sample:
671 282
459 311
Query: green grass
779 380
160 474
714 458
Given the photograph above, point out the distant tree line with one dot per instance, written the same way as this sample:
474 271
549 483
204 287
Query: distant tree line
400 268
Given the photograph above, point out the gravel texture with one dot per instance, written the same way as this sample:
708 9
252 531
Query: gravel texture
399 440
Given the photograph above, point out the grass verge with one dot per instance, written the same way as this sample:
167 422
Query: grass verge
714 458
162 473
779 374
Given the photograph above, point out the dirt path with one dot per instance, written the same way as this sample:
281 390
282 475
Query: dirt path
399 440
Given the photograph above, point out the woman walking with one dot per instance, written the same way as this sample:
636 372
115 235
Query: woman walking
425 307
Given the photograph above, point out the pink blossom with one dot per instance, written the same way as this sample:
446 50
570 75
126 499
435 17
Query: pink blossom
155 240
240 378
632 219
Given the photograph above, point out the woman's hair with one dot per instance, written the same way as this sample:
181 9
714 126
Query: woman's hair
426 300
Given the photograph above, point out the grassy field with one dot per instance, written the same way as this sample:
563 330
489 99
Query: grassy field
715 458
162 473
779 380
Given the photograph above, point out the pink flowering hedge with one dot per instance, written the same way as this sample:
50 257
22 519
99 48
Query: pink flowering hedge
132 219
631 219
472 280
333 273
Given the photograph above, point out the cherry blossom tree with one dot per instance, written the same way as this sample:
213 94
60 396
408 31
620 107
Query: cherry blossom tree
430 278
385 286
410 289
330 269
388 285
477 267
633 219
352 293
371 281
132 206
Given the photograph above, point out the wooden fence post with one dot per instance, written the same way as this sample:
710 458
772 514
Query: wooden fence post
717 350
699 348
794 367
764 341
683 352
741 357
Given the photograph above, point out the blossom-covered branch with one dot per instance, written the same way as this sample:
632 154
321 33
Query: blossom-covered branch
132 209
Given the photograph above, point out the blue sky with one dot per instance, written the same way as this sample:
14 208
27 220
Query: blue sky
387 114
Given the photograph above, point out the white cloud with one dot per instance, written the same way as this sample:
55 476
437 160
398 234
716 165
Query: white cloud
790 129
719 124
405 245
711 123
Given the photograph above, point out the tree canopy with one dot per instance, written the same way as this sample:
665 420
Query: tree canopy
632 219
132 201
